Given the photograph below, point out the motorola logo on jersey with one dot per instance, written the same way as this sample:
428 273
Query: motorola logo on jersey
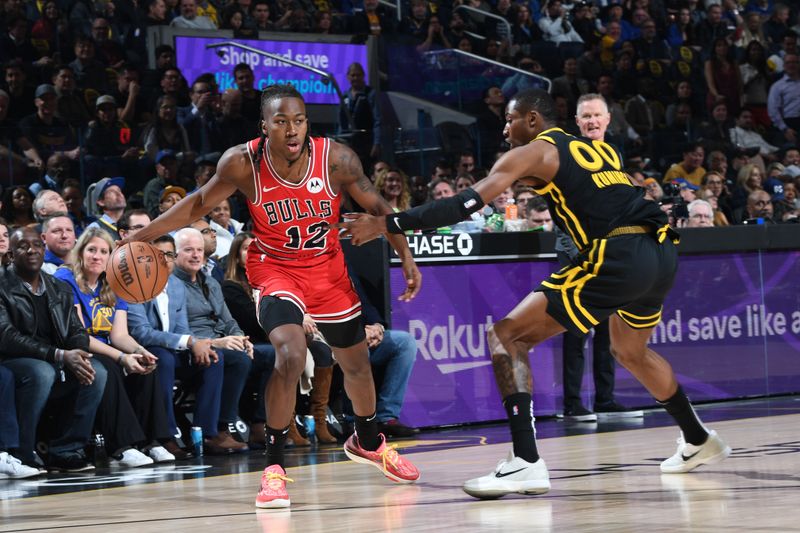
290 209
314 185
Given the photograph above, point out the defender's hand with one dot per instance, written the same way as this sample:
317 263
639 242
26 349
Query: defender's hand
362 227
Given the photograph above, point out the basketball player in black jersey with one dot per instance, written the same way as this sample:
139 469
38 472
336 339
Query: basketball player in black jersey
625 268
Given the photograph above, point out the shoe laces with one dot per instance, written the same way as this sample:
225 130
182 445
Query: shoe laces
274 480
389 455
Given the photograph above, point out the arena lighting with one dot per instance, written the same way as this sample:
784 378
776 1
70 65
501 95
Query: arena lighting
327 77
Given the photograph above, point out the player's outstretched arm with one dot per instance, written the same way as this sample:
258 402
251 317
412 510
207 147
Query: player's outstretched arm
224 183
529 161
347 171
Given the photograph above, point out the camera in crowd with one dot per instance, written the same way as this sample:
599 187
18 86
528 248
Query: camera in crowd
673 203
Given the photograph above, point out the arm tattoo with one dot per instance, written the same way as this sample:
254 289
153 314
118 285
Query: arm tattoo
513 371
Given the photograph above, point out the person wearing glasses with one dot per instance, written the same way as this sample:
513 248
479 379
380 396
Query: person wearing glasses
701 215
132 222
162 326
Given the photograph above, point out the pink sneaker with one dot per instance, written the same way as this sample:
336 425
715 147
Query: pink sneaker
273 493
385 458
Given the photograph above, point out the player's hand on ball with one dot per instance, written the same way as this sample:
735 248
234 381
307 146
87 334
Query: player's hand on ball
362 227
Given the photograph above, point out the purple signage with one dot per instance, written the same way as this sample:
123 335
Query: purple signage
731 328
194 59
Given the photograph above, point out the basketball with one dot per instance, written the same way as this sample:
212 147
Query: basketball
137 272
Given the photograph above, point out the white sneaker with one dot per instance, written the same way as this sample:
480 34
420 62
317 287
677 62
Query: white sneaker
131 458
688 457
12 468
514 475
159 454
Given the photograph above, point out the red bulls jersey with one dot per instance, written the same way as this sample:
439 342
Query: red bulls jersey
293 221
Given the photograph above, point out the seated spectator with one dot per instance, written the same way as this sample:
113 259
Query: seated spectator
711 28
51 33
538 214
745 135
189 18
205 166
157 13
419 190
211 266
70 103
199 120
73 197
106 199
170 196
715 134
89 72
162 327
5 257
16 207
393 186
131 412
714 189
701 215
749 180
690 168
130 96
260 13
464 181
58 234
47 203
441 188
21 96
12 140
57 170
109 52
16 45
132 221
109 142
210 318
44 344
48 133
759 206
226 228
166 175
10 466
234 128
164 132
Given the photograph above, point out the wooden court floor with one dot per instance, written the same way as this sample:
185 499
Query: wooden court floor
601 482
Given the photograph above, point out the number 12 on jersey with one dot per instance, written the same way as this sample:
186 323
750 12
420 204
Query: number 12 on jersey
315 237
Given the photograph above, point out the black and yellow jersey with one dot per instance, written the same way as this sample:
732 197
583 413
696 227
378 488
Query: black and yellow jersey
590 195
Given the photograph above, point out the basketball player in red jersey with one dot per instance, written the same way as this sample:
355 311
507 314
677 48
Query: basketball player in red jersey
295 266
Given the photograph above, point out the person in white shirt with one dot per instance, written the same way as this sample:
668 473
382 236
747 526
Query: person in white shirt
745 136
189 18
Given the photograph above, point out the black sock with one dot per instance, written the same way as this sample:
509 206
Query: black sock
367 431
682 411
276 440
519 408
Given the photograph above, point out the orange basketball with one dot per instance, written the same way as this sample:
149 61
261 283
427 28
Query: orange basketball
137 272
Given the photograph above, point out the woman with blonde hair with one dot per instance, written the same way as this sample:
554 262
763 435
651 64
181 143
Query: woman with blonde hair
749 179
132 409
393 186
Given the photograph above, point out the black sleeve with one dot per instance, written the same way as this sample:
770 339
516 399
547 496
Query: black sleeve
435 214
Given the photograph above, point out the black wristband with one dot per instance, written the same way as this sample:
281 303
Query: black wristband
442 212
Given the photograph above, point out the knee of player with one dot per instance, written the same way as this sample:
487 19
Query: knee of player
499 337
290 361
628 356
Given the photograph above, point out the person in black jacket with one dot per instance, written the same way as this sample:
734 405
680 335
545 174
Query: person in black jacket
43 343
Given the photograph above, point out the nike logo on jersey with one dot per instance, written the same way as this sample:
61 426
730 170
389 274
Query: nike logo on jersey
267 189
504 474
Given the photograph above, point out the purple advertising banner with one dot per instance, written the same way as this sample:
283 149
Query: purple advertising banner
194 59
731 328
